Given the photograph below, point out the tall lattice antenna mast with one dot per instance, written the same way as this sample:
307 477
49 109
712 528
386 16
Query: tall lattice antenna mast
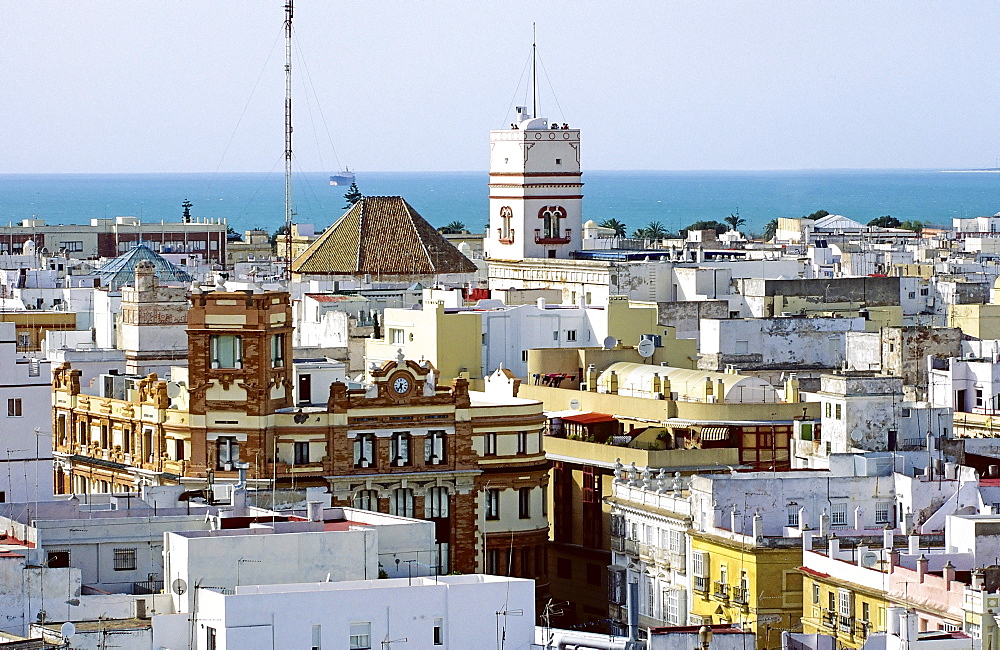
288 139
534 74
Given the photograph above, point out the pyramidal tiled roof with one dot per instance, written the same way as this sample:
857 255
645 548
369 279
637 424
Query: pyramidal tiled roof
121 270
382 235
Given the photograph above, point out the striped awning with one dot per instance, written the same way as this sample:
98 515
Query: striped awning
714 433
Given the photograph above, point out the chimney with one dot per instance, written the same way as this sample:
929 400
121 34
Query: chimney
665 387
860 553
921 568
758 527
807 540
893 560
657 388
592 378
913 544
803 519
977 580
720 391
948 574
859 518
734 520
792 389
315 510
824 524
613 383
887 538
833 547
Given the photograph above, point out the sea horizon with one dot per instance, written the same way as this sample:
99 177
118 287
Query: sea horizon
675 198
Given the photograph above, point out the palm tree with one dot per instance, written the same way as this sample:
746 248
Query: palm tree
735 221
453 228
640 233
615 225
656 230
770 229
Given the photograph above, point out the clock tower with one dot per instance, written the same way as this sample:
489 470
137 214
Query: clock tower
535 190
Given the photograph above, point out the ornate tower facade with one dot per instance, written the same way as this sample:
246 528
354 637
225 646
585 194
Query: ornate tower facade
535 190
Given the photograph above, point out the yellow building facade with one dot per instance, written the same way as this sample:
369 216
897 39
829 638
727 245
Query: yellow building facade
757 586
840 608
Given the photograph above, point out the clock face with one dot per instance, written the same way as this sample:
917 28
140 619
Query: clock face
401 385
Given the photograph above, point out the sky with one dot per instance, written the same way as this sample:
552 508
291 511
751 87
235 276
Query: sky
387 85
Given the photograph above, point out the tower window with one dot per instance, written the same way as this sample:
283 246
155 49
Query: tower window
226 351
558 161
277 350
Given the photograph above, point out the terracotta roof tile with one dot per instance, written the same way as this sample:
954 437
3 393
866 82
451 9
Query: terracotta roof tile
382 235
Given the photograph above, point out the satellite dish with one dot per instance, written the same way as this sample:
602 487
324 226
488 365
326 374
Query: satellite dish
869 559
574 404
610 342
646 348
67 630
173 389
179 586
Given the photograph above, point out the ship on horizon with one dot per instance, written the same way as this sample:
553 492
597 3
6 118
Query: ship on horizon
345 177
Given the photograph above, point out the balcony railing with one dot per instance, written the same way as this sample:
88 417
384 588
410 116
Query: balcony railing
632 547
720 590
740 595
552 238
701 584
862 628
617 544
846 624
829 618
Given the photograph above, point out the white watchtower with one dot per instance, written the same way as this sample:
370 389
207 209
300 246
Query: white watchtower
535 190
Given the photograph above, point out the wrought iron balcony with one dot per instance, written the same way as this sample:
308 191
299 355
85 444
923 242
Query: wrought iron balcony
740 595
720 590
552 238
701 584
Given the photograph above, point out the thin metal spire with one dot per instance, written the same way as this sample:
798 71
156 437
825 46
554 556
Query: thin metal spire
534 74
288 139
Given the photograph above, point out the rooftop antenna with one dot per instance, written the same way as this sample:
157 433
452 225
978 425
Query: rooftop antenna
534 74
288 139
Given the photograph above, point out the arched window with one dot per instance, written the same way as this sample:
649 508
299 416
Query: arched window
366 500
401 502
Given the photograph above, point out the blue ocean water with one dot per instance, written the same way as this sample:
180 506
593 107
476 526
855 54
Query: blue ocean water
676 199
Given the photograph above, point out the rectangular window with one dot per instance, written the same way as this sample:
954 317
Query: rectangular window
396 336
837 410
434 448
14 407
866 612
524 356
564 568
438 631
125 559
571 335
228 452
364 450
492 561
594 572
178 447
882 512
829 410
73 246
226 351
844 602
401 502
277 350
793 516
524 503
361 636
399 449
490 444
522 442
905 413
436 503
555 335
23 340
57 559
301 453
699 564
815 591
838 515
317 634
210 638
492 504
545 500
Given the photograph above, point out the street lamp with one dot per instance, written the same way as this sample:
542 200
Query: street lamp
705 637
